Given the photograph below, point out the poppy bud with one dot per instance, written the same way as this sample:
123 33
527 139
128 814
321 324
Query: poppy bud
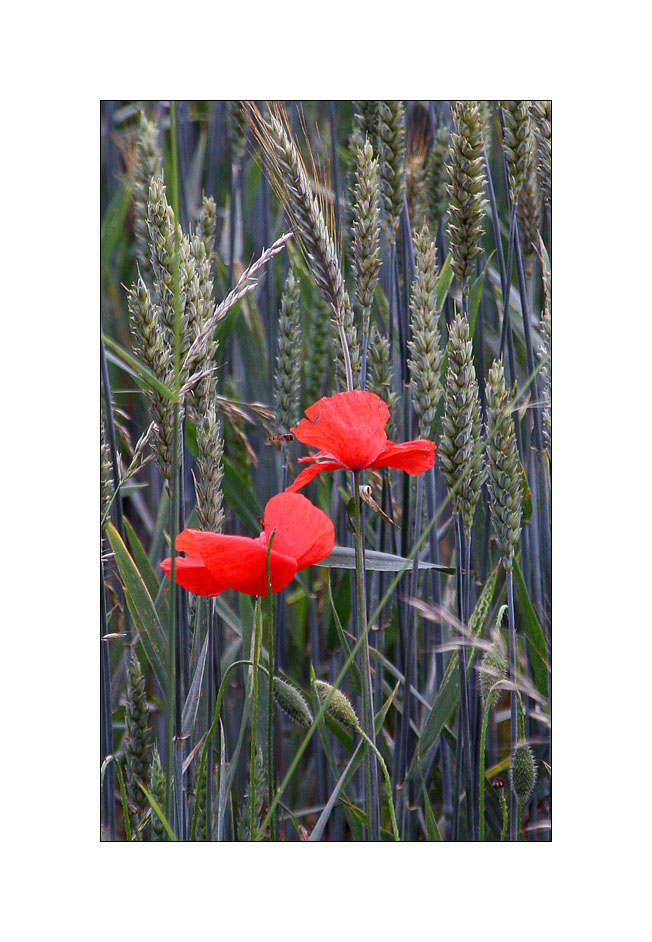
292 702
492 670
339 706
522 773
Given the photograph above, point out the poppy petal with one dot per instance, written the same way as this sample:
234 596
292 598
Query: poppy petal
308 474
191 574
302 530
348 426
411 457
238 562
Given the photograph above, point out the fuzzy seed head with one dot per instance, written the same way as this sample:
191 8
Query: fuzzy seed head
138 738
425 343
106 473
379 373
522 773
293 703
288 360
157 791
391 150
541 112
366 231
237 127
503 466
320 344
208 484
437 189
518 143
466 184
492 670
461 444
148 164
339 707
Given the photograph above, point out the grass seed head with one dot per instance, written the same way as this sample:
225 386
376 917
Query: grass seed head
391 150
366 231
461 443
293 703
208 484
503 466
518 143
288 359
437 190
148 164
379 373
138 739
541 112
156 789
466 184
425 344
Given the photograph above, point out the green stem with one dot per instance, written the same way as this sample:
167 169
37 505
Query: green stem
174 187
254 722
503 802
269 637
123 793
483 739
388 782
359 576
211 733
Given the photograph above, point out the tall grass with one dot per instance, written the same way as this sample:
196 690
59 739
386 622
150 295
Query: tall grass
396 622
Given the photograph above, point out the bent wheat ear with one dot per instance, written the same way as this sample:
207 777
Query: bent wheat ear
308 216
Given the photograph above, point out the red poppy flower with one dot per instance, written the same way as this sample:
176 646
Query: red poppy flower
349 431
215 562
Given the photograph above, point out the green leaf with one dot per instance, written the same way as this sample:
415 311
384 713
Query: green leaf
443 283
134 367
526 503
533 632
475 294
343 557
141 607
431 821
449 690
142 560
113 222
191 705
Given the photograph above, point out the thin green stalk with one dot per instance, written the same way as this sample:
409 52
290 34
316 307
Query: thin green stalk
174 510
483 739
269 637
370 799
123 792
254 721
358 644
388 782
513 822
211 733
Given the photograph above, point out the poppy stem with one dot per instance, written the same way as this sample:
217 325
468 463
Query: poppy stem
269 640
371 788
254 722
